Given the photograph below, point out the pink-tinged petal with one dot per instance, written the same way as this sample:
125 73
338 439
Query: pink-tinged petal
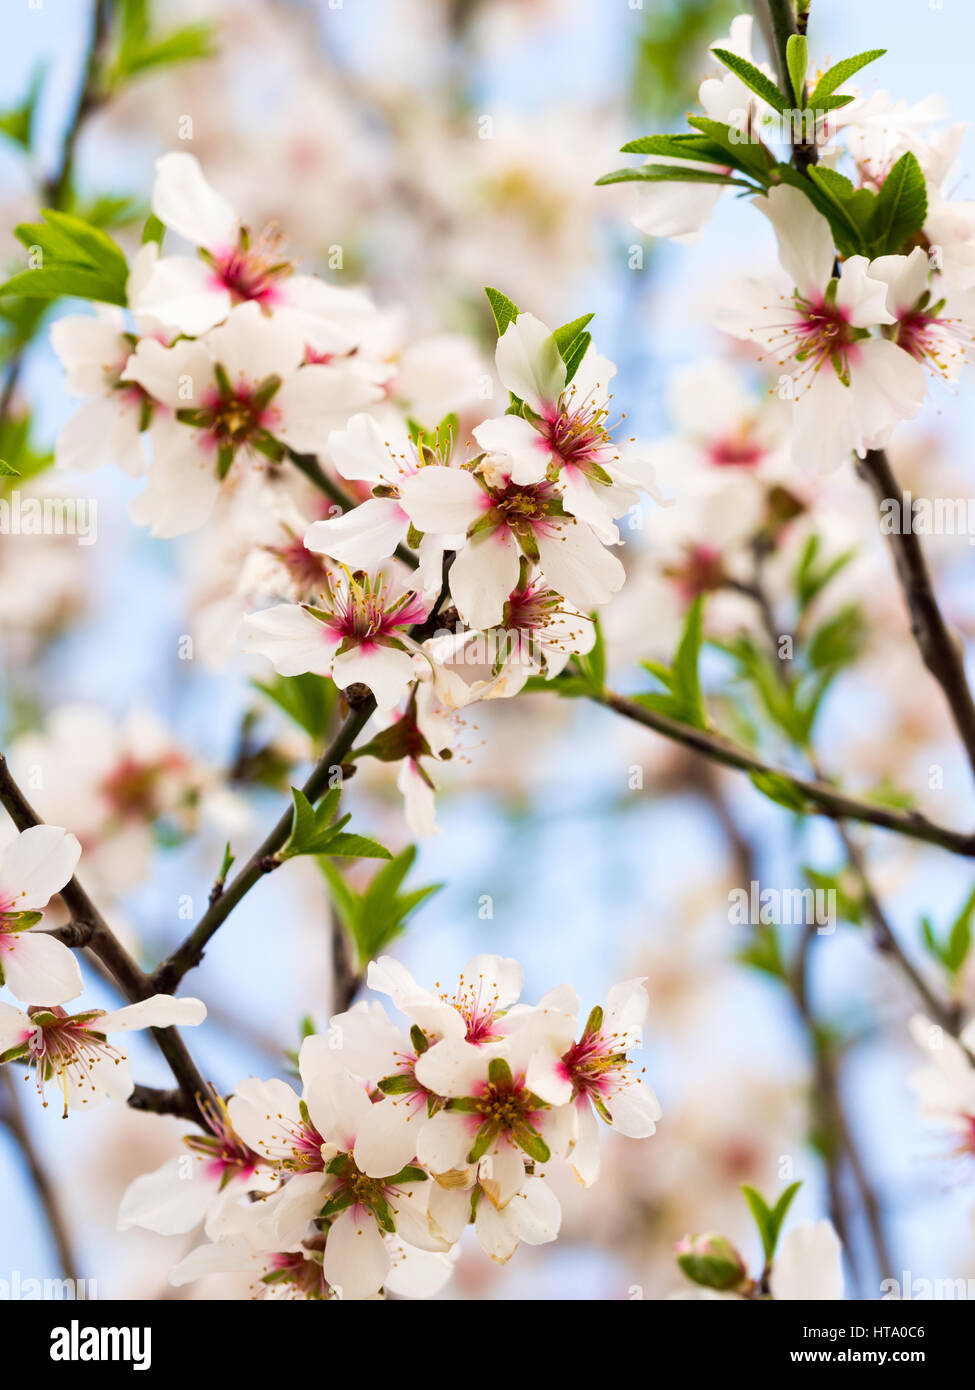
39 969
861 298
265 1114
515 447
178 376
36 865
226 1257
315 399
15 1027
172 1200
441 499
291 638
338 1106
548 1078
446 1140
452 1067
356 1260
184 294
387 671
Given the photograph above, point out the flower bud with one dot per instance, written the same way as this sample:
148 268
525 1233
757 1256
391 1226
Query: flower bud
711 1260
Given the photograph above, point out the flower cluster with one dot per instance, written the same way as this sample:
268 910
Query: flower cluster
403 1136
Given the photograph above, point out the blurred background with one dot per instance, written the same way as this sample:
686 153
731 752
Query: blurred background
440 146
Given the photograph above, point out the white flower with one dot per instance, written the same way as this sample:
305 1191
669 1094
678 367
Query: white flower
203 1186
595 1074
937 333
34 866
107 428
73 1050
509 1204
240 393
945 1087
356 632
808 1264
194 294
850 389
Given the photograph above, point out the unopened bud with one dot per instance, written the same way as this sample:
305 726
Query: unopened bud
711 1260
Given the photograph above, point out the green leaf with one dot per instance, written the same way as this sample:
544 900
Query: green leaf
763 953
504 310
6 471
683 700
811 577
17 122
901 207
356 847
590 667
154 230
573 342
769 1219
840 73
953 951
377 915
307 699
797 60
754 78
669 173
780 790
77 259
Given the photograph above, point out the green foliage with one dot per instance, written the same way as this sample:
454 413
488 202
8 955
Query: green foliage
780 790
308 699
763 953
840 73
77 259
314 830
138 49
19 458
17 122
847 894
504 310
812 574
587 671
683 700
667 53
797 61
769 1219
952 951
376 916
754 78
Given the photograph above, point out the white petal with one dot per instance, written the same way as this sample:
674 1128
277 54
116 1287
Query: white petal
182 198
292 640
452 1067
805 240
446 1140
184 294
39 969
578 567
482 576
356 1260
443 499
808 1264
529 362
386 670
36 865
170 1201
159 1011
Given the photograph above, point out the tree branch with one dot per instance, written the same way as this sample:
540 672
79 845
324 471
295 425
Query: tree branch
822 798
89 928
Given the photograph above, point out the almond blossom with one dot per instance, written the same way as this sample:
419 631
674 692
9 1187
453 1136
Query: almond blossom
356 632
849 388
594 1074
238 396
34 865
73 1050
193 295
